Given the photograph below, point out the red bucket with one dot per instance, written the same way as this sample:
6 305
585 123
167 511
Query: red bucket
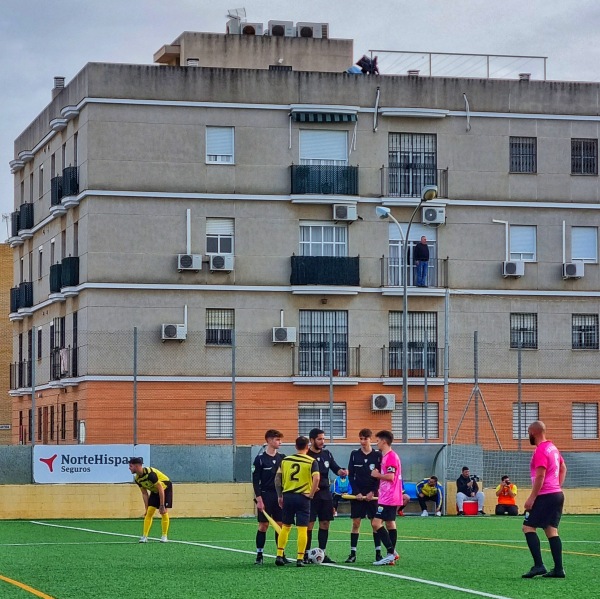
470 507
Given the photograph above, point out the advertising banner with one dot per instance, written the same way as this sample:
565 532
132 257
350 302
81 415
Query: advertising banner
85 463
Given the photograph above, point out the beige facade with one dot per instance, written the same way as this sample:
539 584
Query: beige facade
6 357
150 188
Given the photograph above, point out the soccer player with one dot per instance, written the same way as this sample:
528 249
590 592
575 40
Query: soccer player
430 490
362 462
321 506
544 506
157 492
390 497
264 469
296 481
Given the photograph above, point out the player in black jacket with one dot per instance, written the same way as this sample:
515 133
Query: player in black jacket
362 462
264 470
321 505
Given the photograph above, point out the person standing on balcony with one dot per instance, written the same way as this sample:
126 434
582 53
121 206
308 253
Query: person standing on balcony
421 259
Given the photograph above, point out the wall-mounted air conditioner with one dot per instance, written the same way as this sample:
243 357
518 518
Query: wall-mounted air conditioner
315 30
383 402
252 28
284 334
513 268
175 332
189 262
573 270
282 29
344 212
221 262
433 215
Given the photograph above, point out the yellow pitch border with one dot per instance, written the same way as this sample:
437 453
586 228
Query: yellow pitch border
25 587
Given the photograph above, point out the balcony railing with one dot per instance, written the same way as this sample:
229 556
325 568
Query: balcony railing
63 363
313 359
407 180
26 294
25 216
55 278
56 192
325 180
20 375
14 299
325 270
392 273
70 271
70 181
391 359
14 223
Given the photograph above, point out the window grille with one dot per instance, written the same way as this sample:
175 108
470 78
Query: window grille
584 156
523 330
317 415
530 412
523 155
219 325
219 420
585 420
585 331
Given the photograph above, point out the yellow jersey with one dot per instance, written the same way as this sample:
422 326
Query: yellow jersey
150 478
297 472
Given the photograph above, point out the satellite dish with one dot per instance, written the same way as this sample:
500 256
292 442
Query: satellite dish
237 13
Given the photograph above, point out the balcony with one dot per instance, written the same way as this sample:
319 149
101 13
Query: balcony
312 360
15 296
70 186
63 363
25 221
392 273
56 192
25 295
325 270
69 275
14 240
324 180
407 180
20 375
391 359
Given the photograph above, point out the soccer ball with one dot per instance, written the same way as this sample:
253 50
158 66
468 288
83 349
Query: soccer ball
316 555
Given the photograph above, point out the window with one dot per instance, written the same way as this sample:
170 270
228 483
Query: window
523 330
39 424
30 189
317 329
323 240
40 261
52 253
219 420
63 421
30 418
422 328
219 325
418 421
323 148
318 415
523 155
219 145
41 181
584 244
585 420
75 421
530 412
412 161
63 245
75 239
523 242
396 254
585 331
75 150
39 343
52 423
584 156
219 235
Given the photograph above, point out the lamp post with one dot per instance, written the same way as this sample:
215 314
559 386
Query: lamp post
429 192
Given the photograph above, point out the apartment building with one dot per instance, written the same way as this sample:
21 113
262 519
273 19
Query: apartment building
225 197
6 269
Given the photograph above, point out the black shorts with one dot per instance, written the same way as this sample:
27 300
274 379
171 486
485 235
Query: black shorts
272 508
154 499
387 513
295 506
321 506
546 511
363 509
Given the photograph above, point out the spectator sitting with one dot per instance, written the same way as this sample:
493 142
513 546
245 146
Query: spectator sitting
430 490
467 488
341 486
507 502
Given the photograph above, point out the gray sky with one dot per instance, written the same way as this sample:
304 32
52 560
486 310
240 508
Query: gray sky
40 39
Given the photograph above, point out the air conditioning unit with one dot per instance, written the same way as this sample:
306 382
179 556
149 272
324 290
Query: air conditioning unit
513 268
433 215
189 262
176 332
221 262
282 28
383 402
344 212
315 30
573 270
252 28
284 334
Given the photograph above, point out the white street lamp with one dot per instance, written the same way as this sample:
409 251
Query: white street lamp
429 192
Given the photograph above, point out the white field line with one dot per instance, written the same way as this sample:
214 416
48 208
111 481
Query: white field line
339 566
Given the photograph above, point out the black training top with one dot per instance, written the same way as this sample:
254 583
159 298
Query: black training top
360 467
264 470
326 463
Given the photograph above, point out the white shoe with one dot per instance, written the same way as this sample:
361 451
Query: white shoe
164 539
424 514
438 513
384 561
143 539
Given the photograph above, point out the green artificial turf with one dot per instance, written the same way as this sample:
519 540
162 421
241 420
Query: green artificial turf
214 558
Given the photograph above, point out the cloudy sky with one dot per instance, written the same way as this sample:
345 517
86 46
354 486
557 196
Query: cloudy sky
40 39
